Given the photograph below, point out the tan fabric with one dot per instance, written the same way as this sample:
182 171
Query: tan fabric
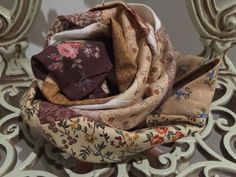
124 55
192 93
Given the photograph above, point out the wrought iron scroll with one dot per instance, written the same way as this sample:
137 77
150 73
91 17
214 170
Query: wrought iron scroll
216 25
15 76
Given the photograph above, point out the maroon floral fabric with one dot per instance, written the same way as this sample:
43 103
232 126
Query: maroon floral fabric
79 67
51 112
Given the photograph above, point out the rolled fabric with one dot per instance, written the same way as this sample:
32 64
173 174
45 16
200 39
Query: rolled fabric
166 96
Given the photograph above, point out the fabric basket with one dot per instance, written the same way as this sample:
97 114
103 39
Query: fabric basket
164 95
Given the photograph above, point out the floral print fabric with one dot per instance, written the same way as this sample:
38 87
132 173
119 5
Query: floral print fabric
168 97
79 67
91 141
51 112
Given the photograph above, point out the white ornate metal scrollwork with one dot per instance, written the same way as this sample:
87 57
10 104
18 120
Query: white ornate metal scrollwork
217 27
15 75
14 24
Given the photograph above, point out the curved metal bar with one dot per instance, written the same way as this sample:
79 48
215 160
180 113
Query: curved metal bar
217 28
17 21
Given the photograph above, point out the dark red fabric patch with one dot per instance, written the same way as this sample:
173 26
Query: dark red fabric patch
49 112
79 67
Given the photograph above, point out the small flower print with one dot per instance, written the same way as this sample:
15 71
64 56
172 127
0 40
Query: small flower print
162 130
50 113
202 114
67 50
56 66
51 125
157 140
211 78
183 93
96 55
84 83
77 64
177 136
90 138
119 138
71 50
74 124
55 57
90 50
182 69
179 93
136 137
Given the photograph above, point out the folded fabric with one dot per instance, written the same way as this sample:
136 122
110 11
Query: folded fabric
52 93
165 96
78 134
79 67
129 52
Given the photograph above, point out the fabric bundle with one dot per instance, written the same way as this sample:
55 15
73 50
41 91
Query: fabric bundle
110 85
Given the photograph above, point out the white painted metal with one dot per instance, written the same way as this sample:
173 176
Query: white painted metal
217 28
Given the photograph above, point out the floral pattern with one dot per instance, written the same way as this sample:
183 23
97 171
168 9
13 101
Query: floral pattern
84 83
57 62
177 136
161 130
82 59
91 141
66 139
50 112
157 139
183 93
91 51
202 113
183 69
70 50
210 81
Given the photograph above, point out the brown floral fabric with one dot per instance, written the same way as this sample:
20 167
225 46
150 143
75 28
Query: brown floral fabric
49 112
52 92
165 97
79 67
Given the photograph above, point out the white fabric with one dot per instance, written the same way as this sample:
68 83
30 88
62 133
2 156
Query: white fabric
91 31
147 14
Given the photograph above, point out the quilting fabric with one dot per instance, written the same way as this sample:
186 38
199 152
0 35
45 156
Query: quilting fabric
162 96
79 67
